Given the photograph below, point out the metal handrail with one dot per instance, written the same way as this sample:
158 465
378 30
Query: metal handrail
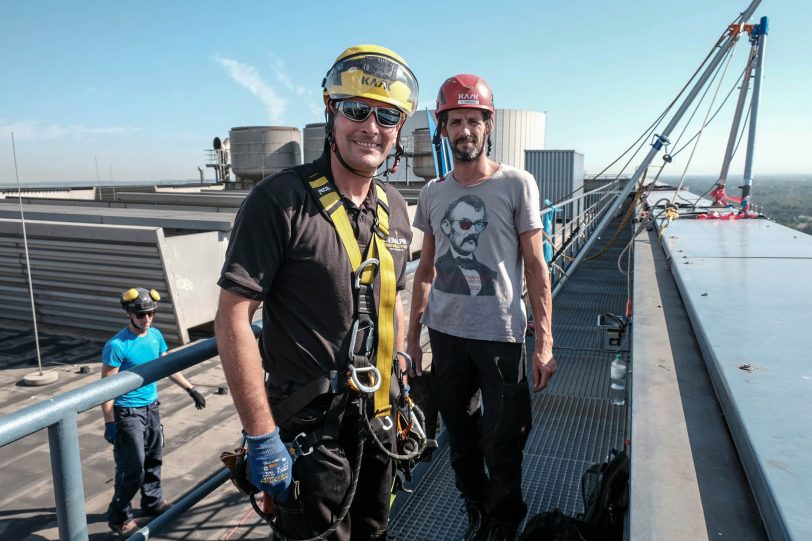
589 222
59 415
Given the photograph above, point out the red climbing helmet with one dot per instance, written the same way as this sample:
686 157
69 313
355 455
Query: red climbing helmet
464 91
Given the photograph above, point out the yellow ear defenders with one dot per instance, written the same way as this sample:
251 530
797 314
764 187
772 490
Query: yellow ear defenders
132 294
153 294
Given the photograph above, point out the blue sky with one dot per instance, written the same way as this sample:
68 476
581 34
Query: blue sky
143 87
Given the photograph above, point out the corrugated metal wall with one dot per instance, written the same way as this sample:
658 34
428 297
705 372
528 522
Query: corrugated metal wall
79 271
516 132
559 173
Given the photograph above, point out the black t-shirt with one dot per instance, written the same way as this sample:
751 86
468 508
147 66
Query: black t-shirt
285 252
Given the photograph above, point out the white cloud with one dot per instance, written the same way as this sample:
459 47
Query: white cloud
278 67
249 77
34 131
311 98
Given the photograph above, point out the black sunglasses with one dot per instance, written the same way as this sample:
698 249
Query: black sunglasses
142 315
358 111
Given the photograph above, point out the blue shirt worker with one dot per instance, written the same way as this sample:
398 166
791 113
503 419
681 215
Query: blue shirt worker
132 422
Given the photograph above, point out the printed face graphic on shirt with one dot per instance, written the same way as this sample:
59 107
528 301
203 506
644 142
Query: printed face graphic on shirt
458 271
463 222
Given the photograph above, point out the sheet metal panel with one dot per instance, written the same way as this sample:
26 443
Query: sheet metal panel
221 199
166 202
686 478
747 290
170 219
79 270
192 265
559 173
515 131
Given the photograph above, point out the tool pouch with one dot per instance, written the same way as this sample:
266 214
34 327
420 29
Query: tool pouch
238 464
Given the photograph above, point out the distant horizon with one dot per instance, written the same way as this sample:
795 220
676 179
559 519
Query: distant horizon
6 185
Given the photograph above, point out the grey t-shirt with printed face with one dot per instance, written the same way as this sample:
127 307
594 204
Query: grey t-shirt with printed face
478 261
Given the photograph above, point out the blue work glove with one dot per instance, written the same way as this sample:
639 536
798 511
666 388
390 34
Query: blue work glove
200 402
110 431
270 466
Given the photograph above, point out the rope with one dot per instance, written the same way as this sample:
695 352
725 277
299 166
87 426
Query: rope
417 446
716 73
626 217
552 243
646 133
719 109
704 123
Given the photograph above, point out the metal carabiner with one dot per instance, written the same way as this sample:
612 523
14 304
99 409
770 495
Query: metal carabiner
356 283
409 362
374 375
298 446
356 328
385 425
421 434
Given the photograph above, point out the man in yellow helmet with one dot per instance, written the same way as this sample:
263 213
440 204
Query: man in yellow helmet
324 247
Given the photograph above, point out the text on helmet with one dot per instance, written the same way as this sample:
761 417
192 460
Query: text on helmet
374 82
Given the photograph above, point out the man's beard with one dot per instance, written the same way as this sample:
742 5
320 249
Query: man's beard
468 155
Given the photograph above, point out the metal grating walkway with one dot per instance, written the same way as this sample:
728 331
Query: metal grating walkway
574 425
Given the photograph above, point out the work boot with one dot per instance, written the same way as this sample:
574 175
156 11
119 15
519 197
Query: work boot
125 529
156 510
476 521
499 531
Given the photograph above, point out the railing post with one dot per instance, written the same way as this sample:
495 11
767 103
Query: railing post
66 467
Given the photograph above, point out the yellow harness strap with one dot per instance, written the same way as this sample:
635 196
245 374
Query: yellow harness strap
331 203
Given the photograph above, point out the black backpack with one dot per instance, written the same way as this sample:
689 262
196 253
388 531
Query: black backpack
556 526
605 492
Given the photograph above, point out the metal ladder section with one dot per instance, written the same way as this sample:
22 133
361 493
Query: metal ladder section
574 425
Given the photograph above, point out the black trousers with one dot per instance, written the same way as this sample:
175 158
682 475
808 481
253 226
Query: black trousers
493 435
138 452
322 479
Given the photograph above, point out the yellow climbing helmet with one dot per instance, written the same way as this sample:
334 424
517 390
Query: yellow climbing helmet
374 72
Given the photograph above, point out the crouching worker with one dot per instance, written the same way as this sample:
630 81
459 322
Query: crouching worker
132 422
324 247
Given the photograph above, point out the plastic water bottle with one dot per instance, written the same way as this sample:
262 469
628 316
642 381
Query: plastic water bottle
617 387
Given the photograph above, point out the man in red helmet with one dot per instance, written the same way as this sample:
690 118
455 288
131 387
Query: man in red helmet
482 230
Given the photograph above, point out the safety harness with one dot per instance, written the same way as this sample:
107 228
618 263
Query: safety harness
377 261
359 374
